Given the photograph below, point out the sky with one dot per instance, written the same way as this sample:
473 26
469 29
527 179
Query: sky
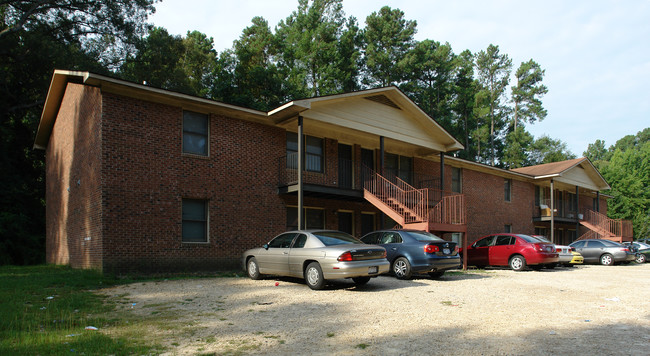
595 53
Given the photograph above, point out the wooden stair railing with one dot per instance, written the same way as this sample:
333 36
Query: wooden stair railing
602 227
400 201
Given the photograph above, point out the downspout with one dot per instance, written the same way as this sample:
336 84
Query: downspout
301 159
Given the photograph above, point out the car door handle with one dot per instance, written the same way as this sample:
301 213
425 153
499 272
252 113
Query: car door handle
285 253
394 248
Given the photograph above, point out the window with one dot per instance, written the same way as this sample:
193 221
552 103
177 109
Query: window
484 242
372 238
399 166
456 182
541 231
314 218
195 133
195 220
507 228
507 188
578 244
282 241
504 240
313 152
595 244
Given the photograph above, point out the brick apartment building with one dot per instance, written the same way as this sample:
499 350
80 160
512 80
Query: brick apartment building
144 179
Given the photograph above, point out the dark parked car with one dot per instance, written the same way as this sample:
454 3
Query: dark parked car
514 250
643 251
604 252
316 256
415 252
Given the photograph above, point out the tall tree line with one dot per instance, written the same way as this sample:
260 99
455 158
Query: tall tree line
626 167
316 50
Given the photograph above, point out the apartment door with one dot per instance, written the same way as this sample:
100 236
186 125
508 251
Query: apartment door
345 222
345 166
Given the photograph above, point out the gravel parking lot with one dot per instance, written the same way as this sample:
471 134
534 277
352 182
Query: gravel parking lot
588 310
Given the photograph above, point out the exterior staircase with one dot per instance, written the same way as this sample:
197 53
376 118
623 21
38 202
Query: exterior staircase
602 227
413 208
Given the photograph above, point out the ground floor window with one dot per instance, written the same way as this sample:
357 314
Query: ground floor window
507 228
457 237
314 218
539 230
195 220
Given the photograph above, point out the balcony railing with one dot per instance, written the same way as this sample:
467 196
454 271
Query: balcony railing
449 207
316 172
562 209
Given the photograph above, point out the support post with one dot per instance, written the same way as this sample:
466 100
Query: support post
382 155
301 160
577 212
382 219
552 214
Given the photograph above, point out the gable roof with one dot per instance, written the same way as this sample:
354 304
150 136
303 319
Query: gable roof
580 172
385 112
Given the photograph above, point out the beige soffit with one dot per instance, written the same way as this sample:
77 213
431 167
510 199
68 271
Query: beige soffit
61 78
579 172
383 112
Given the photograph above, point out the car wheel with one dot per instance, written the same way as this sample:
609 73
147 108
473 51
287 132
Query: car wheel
314 276
640 258
606 260
436 275
402 268
252 269
360 281
517 263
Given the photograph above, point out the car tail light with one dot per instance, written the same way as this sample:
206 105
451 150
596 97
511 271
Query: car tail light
431 249
573 249
557 249
347 256
626 249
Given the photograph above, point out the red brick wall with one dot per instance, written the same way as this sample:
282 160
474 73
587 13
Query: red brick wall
487 210
146 176
73 181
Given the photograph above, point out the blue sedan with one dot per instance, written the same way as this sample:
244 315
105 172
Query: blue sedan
415 252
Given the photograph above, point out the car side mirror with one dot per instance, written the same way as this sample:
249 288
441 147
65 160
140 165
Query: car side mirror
266 246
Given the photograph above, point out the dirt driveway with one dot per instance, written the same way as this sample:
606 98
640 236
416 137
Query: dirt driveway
585 310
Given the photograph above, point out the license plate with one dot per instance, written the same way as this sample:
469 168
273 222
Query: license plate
445 251
373 269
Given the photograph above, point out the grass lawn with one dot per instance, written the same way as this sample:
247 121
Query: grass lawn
51 310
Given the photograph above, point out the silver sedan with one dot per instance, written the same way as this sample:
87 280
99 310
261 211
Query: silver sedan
316 256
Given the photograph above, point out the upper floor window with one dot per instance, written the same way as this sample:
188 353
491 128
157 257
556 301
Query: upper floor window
195 133
507 189
456 180
399 166
314 156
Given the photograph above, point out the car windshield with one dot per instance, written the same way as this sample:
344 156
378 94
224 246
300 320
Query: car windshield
329 238
423 236
529 238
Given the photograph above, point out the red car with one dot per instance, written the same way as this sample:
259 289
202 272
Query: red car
514 250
